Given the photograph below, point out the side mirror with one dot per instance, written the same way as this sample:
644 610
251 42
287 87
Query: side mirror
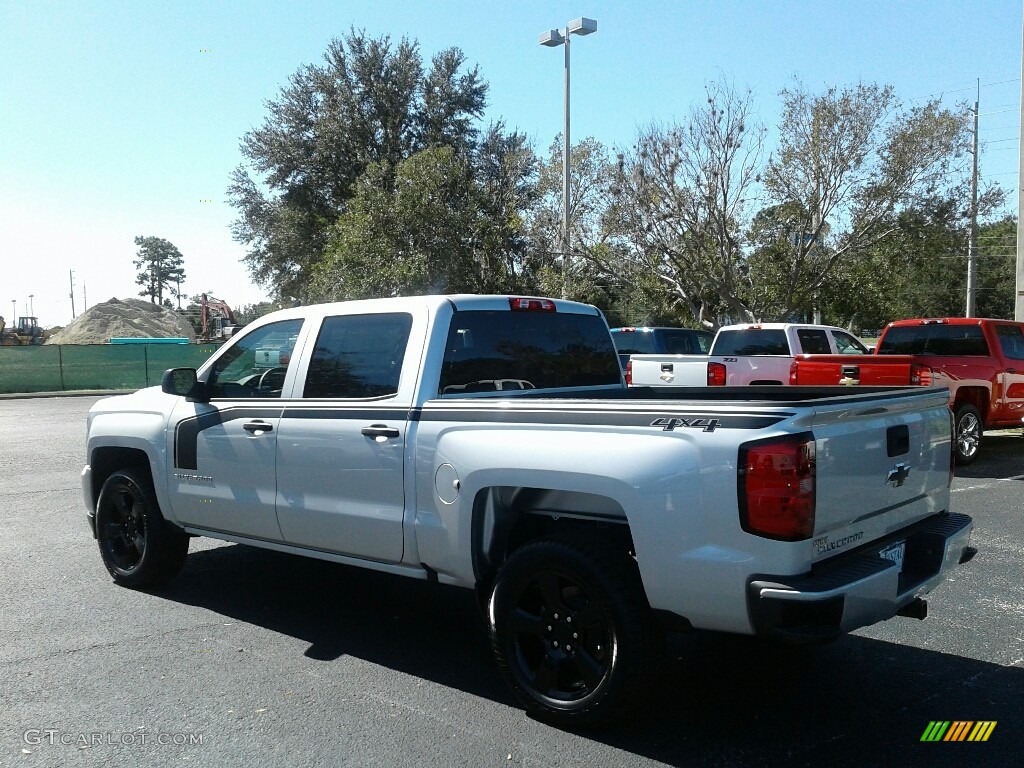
183 382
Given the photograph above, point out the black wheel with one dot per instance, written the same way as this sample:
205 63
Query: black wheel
968 429
571 631
138 547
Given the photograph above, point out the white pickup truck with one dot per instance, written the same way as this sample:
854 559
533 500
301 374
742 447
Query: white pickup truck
773 353
490 443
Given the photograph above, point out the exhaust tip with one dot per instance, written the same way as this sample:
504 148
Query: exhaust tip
915 609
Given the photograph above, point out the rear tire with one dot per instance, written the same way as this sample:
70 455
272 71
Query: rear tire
571 631
968 431
139 548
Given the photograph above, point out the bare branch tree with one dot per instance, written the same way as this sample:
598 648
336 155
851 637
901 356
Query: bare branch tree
684 194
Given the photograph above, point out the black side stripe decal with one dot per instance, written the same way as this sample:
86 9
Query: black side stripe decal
186 433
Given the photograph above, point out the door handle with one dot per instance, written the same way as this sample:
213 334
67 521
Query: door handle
379 430
258 427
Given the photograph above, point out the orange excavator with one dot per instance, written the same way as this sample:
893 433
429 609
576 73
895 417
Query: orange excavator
217 321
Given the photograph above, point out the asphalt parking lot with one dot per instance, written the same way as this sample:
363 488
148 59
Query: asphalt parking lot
257 658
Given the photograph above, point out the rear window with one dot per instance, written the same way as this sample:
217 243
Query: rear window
939 340
751 341
669 341
687 342
634 342
498 350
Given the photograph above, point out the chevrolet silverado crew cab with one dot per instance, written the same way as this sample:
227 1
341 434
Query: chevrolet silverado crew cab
489 442
980 360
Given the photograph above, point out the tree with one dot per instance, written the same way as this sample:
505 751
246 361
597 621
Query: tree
368 104
161 266
850 161
440 221
685 193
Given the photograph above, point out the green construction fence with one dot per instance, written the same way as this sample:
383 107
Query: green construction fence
68 367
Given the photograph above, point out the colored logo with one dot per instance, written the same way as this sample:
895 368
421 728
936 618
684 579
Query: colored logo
958 730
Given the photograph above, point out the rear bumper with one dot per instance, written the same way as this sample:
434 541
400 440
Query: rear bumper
861 588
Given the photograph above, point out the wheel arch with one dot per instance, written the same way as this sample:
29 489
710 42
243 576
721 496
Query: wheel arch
106 460
979 397
504 518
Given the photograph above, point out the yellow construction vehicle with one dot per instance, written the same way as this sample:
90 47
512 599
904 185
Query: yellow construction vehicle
26 333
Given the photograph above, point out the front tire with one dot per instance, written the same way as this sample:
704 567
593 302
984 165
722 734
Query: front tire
139 548
968 430
571 631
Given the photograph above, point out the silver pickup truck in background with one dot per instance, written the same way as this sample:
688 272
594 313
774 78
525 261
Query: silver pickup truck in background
479 441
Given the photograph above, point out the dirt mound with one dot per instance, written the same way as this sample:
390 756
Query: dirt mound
132 318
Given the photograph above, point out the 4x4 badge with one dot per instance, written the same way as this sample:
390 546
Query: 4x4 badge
670 423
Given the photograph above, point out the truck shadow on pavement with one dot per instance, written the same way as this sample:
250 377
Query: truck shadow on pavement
719 700
1001 457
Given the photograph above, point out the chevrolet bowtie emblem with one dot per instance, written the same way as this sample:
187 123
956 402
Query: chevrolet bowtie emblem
898 475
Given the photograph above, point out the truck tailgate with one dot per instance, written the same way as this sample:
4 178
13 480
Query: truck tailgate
864 370
881 465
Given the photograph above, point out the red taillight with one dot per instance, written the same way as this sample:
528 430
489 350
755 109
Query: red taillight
532 305
716 374
629 373
776 487
920 374
284 357
792 374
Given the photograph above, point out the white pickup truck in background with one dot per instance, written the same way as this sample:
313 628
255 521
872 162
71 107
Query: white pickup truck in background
478 441
774 353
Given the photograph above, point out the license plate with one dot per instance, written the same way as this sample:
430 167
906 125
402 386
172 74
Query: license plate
895 553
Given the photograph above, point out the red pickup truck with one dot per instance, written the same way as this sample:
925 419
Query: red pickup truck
981 360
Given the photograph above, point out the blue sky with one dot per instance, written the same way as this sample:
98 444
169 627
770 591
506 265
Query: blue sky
124 118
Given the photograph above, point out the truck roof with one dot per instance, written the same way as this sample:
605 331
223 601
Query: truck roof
457 301
950 321
778 326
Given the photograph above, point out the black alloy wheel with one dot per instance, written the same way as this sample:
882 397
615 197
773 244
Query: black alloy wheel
571 631
139 548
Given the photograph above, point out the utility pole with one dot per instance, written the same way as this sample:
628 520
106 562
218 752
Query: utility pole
71 276
85 299
972 264
1018 310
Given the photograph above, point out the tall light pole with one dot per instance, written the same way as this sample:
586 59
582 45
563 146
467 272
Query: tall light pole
972 235
1018 309
31 305
552 39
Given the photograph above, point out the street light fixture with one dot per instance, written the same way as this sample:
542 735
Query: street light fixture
552 39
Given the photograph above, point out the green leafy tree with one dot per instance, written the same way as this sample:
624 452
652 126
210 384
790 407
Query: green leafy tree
369 103
437 222
161 268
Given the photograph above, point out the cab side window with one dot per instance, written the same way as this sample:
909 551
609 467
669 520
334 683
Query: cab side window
848 345
256 364
358 356
1011 341
813 341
